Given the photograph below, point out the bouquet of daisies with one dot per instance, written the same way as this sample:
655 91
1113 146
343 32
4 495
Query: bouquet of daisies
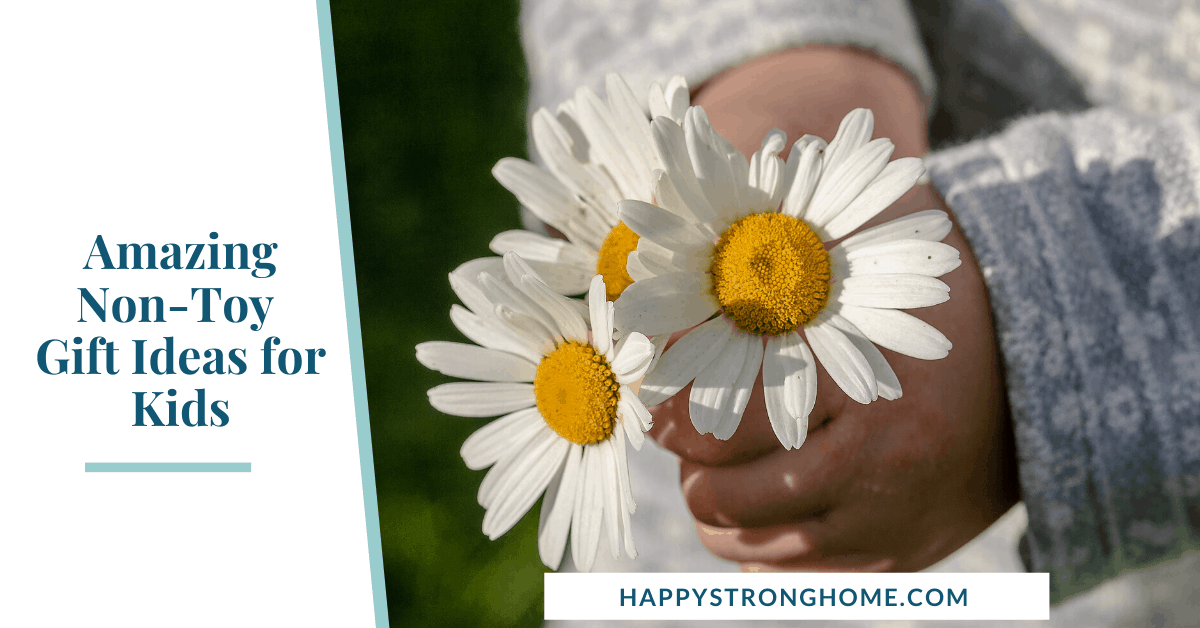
667 228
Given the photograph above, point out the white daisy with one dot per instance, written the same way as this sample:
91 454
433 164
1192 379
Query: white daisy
719 241
565 399
596 154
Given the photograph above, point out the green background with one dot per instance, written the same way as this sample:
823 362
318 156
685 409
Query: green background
432 95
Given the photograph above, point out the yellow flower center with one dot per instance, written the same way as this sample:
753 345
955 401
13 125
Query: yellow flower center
770 273
577 393
614 252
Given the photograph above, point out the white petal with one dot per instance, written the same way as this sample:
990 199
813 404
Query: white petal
897 291
626 504
931 224
899 331
570 323
676 93
661 226
638 409
668 197
766 171
741 391
501 438
887 384
552 535
481 399
492 336
916 257
802 174
636 269
626 167
464 280
853 133
504 294
841 185
473 362
631 421
710 155
667 303
663 261
633 128
557 307
526 486
565 155
564 266
601 324
500 479
843 361
896 178
671 148
658 101
715 385
611 494
547 198
776 370
633 359
680 364
591 512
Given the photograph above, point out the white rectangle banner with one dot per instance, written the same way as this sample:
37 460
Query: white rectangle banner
695 596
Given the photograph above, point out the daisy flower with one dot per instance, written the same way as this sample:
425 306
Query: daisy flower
748 242
596 154
567 406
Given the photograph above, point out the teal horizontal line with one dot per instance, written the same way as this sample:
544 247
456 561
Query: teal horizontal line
167 467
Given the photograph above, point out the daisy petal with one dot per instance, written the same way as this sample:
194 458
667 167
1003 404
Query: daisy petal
916 257
766 171
667 303
500 438
776 369
565 155
677 96
741 390
840 185
896 178
509 470
552 535
474 362
527 484
671 148
481 399
800 389
887 383
668 197
645 420
569 323
896 291
899 331
592 511
715 385
565 267
610 493
546 197
710 155
843 361
627 505
931 224
684 360
492 336
658 101
634 358
660 225
853 133
630 421
464 280
802 174
601 325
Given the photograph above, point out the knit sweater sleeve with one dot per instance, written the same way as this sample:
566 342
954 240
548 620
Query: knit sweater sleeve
569 43
1087 227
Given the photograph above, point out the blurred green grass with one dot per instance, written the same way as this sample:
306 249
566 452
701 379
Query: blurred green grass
432 95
